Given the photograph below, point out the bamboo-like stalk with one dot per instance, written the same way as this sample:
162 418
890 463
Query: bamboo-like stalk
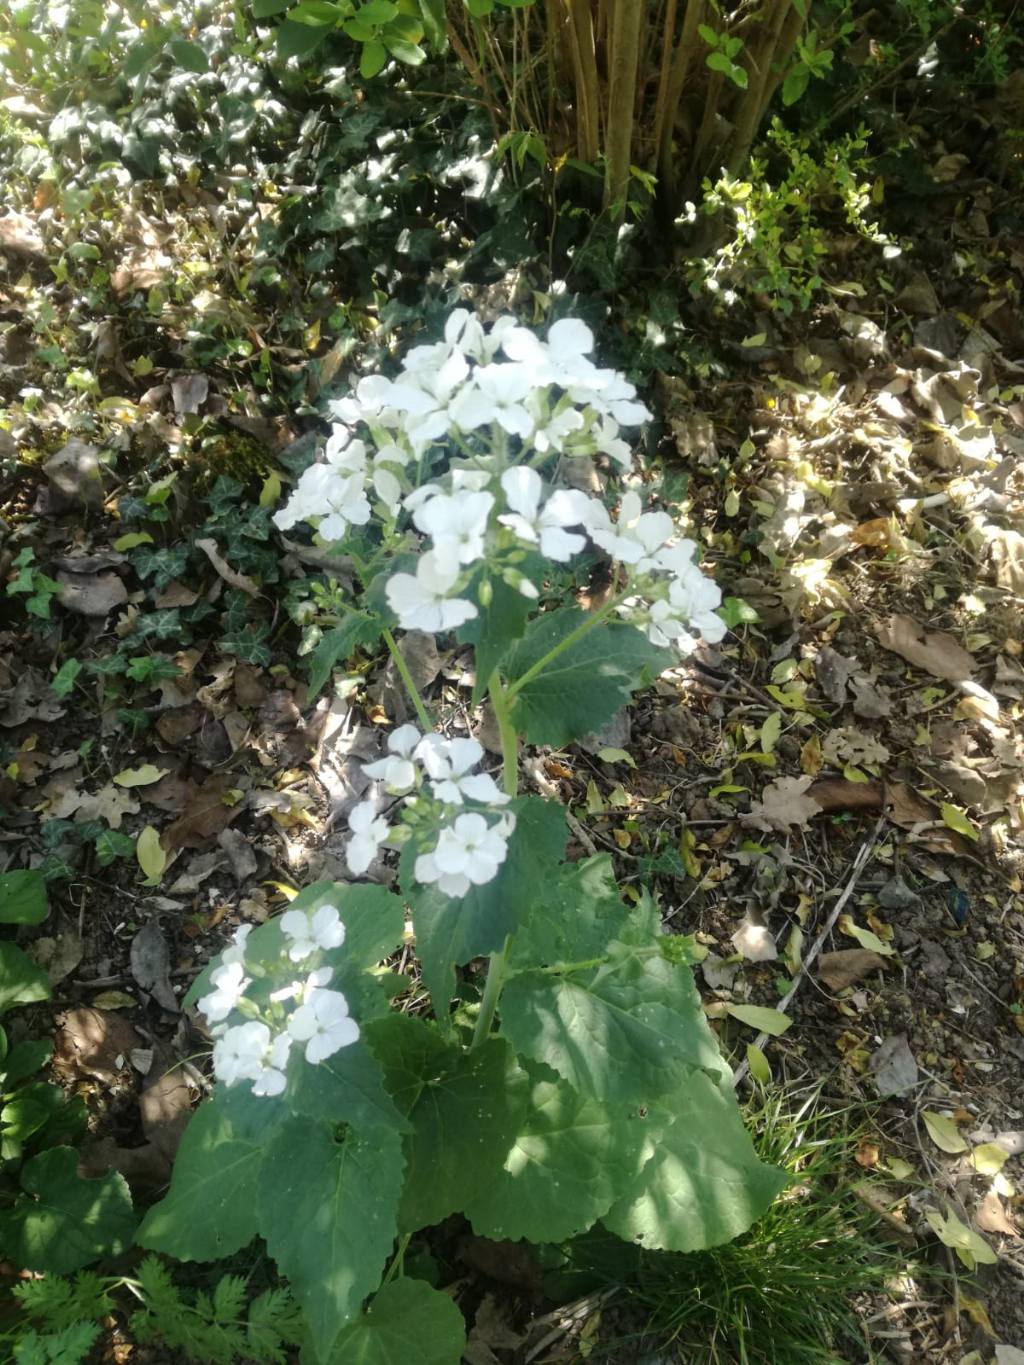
668 106
588 85
765 69
627 18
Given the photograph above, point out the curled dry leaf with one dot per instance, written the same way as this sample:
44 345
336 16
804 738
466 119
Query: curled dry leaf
224 569
754 941
208 809
837 793
933 651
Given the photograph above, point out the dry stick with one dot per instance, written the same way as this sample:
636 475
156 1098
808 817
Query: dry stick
859 864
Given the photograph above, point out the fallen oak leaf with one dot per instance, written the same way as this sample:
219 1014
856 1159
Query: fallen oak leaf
783 804
933 651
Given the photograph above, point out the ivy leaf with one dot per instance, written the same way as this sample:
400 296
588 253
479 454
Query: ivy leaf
572 1158
23 897
464 1108
407 1320
327 1206
624 1032
585 685
64 679
62 1222
704 1184
21 981
210 1210
451 931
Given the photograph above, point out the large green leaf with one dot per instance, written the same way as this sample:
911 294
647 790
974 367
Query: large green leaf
500 623
22 897
62 1222
572 1158
465 1109
347 1087
210 1210
21 981
327 1205
406 1322
626 1031
451 930
704 1184
578 913
586 683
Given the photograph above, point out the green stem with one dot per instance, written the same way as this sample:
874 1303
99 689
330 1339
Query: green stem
510 777
423 715
584 628
398 1260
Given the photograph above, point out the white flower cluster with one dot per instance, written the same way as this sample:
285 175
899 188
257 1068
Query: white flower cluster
469 849
258 1049
456 440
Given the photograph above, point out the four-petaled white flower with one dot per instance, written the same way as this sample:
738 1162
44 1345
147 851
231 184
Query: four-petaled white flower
398 771
272 1079
457 525
636 536
323 1023
468 852
229 982
246 1051
523 488
422 601
498 394
306 933
448 763
369 830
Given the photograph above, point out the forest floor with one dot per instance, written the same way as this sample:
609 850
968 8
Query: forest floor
855 475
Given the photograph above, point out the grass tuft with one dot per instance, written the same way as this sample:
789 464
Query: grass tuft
785 1293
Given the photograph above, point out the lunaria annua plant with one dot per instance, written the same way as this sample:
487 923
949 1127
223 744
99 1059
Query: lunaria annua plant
574 1078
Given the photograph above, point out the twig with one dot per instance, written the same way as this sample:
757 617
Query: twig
859 864
547 788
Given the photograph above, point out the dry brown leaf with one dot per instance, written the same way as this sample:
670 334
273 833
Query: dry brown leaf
206 813
836 793
110 803
754 941
847 966
91 594
783 804
991 1216
92 1042
176 725
933 651
850 745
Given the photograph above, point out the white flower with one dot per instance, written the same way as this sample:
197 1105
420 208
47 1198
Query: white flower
552 433
272 1079
324 930
369 831
468 852
688 611
398 773
449 762
609 393
496 395
235 951
229 982
523 488
429 399
387 488
239 1054
323 1024
421 601
636 536
610 443
457 525
336 496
